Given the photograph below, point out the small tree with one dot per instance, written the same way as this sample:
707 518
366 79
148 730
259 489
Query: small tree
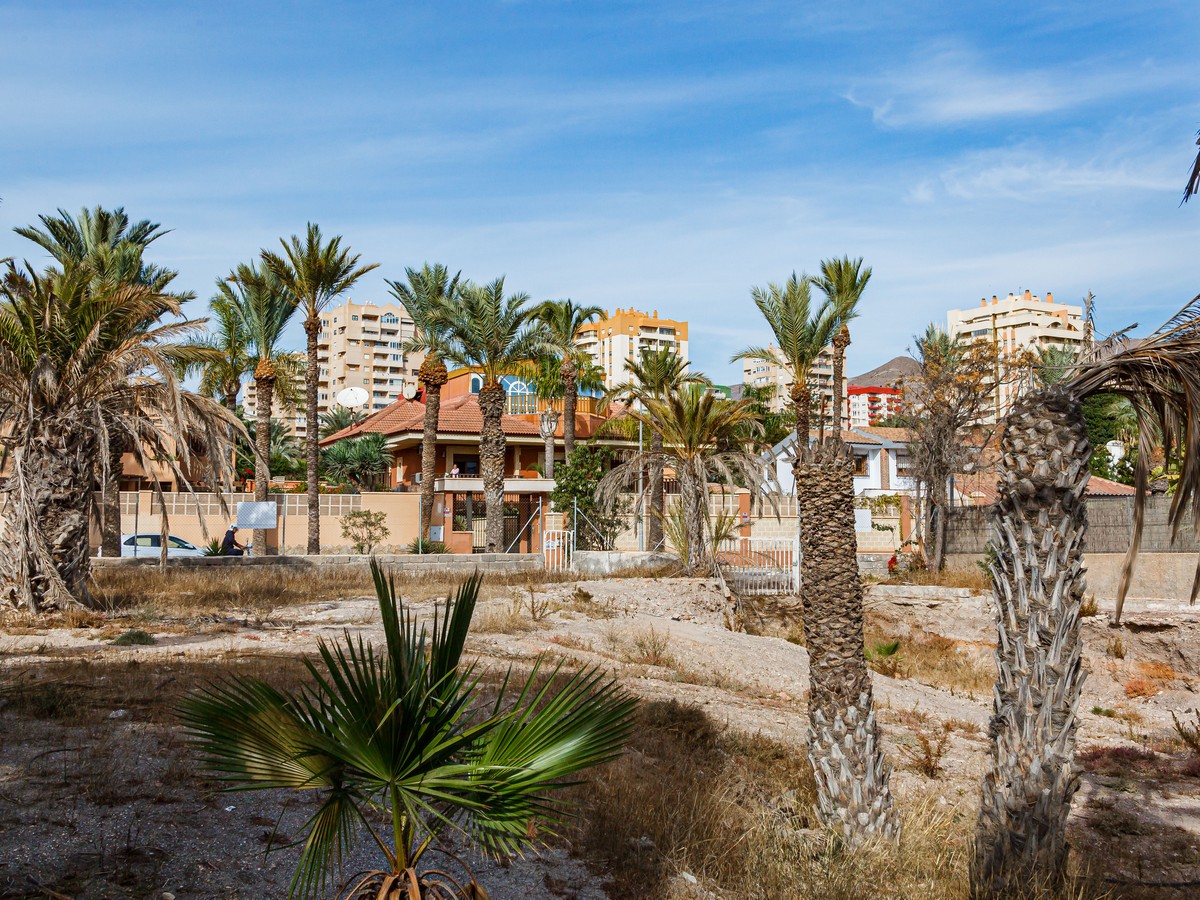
602 521
364 529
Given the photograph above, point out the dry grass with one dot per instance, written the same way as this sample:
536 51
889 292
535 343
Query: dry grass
260 589
941 662
952 577
735 812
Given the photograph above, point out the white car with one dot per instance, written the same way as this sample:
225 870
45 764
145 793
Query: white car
151 544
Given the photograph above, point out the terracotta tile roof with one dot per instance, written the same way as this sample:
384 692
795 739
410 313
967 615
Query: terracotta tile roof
982 488
458 415
892 435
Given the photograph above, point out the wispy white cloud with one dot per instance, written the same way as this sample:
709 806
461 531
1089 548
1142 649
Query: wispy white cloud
954 86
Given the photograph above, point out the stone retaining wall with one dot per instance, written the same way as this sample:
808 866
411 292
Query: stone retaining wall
441 563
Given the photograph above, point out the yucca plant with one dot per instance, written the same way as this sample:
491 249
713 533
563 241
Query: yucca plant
403 731
1038 527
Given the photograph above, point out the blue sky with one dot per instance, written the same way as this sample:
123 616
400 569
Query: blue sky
658 155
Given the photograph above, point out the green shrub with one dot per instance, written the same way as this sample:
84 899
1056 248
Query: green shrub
419 546
133 638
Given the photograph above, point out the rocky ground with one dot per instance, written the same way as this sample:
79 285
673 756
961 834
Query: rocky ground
98 797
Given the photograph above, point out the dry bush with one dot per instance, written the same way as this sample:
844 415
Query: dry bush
929 750
501 618
1115 647
939 662
1157 671
1089 606
1138 687
1187 732
973 578
650 648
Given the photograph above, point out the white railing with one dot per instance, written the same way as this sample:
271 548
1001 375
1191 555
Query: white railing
557 547
761 565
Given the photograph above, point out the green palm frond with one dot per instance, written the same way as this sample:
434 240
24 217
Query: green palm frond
493 333
397 730
426 296
314 271
1159 376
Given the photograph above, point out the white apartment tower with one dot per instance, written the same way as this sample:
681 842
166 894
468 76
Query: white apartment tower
360 345
1016 323
624 335
764 373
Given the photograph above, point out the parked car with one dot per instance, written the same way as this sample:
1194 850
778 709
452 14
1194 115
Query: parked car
151 544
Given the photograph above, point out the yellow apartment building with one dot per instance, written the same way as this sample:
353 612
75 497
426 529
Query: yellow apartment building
624 335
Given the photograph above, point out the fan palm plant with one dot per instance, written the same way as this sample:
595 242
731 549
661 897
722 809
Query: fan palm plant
703 440
842 281
339 419
113 248
427 296
657 374
264 306
85 364
358 461
562 320
800 333
314 272
399 732
495 335
1038 525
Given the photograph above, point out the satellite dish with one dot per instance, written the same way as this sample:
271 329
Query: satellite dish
410 391
352 397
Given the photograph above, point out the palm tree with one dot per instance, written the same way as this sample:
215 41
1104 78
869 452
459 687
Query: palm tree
264 306
657 375
221 377
314 272
339 418
545 376
495 335
801 334
703 440
286 454
562 320
426 297
114 250
84 364
853 791
398 735
358 461
842 281
1039 525
1193 183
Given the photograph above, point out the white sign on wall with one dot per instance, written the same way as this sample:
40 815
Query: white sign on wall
254 515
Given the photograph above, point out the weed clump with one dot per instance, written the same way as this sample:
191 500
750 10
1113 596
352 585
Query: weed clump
134 637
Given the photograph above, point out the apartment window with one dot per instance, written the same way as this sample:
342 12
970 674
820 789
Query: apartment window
389 319
860 464
354 318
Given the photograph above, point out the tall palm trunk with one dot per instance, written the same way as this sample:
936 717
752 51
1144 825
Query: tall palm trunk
658 499
230 395
853 793
693 494
491 461
840 342
1038 525
45 515
264 396
312 372
110 500
570 397
432 375
547 425
801 398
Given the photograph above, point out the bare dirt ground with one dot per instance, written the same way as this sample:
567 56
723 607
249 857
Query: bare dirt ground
98 797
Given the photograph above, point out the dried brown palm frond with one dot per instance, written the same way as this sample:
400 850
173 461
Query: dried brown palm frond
1193 183
1159 376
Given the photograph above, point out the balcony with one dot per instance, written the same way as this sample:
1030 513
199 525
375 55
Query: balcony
465 484
532 405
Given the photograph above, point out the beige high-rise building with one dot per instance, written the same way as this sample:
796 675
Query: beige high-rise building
293 420
360 345
1016 324
624 335
764 373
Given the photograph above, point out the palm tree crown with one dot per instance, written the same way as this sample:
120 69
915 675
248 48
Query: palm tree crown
800 333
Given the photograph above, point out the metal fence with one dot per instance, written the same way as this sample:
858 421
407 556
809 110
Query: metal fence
757 566
557 548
